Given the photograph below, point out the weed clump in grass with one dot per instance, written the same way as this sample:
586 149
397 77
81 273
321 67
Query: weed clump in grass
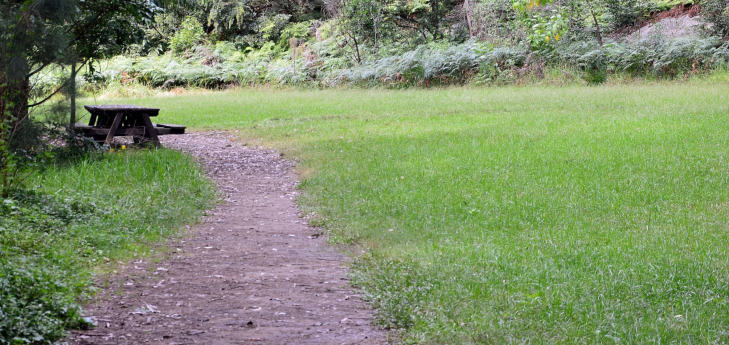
37 304
37 294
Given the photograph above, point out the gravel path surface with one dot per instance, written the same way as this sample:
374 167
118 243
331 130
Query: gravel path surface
252 272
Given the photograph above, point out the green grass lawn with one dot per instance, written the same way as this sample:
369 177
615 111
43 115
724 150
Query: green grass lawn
513 215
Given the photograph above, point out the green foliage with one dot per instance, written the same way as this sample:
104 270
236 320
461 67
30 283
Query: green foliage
36 303
188 36
424 66
323 59
36 34
716 14
300 31
365 22
377 23
431 19
544 29
88 210
104 28
27 150
321 64
386 38
270 29
367 30
492 21
627 12
226 14
232 20
33 34
38 295
664 5
651 56
499 64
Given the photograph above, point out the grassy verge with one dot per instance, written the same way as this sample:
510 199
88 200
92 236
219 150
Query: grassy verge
514 215
78 217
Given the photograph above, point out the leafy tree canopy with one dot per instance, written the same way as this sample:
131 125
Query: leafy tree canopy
37 33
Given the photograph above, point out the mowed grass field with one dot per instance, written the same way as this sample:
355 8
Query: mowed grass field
512 215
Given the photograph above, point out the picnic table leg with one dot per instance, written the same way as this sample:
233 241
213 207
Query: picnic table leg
150 132
92 120
114 127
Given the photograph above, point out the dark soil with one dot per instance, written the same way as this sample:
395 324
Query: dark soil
252 272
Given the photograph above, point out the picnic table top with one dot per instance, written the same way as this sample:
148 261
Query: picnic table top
111 108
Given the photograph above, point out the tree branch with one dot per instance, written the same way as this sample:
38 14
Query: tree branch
597 25
38 69
415 26
63 86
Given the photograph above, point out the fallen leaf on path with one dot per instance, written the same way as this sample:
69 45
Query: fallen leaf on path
151 308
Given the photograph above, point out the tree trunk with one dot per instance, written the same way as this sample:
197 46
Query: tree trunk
72 85
597 25
14 106
356 48
19 94
467 9
5 153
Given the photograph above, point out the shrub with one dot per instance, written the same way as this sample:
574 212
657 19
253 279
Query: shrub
627 12
654 56
491 21
36 304
267 28
327 62
426 65
190 34
716 15
498 64
37 296
299 31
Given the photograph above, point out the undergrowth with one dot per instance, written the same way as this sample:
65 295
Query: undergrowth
79 217
222 66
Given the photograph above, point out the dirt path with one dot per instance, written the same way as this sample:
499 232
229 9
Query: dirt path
253 272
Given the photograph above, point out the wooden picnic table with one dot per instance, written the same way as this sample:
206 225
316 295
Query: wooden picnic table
108 121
